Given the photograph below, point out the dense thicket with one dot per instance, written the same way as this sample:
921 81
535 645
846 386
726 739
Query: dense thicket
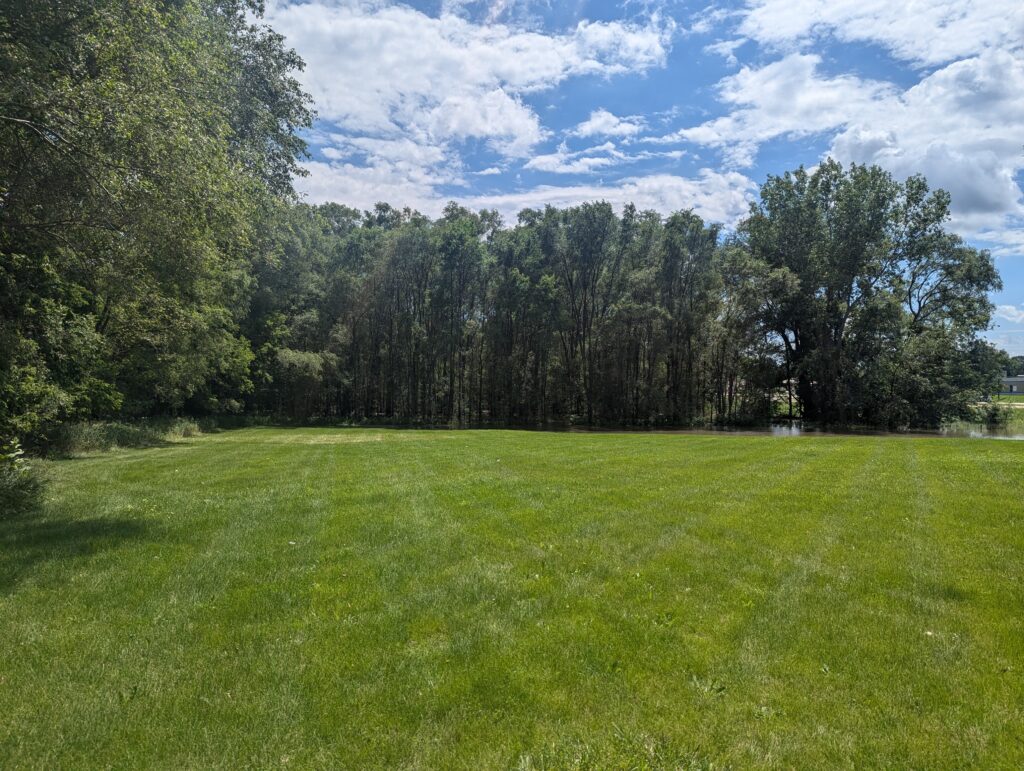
154 261
140 141
841 298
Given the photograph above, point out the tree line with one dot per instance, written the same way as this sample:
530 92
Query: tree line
841 299
155 260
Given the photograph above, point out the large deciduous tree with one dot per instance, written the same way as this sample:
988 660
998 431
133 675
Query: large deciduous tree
880 308
138 142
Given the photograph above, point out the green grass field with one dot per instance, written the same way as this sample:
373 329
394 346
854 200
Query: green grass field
492 599
1009 398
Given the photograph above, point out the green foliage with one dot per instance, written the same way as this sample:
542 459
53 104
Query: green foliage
571 315
21 488
154 261
881 310
993 414
138 143
842 298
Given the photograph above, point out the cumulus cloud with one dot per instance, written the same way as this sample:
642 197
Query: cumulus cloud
383 70
376 149
1010 313
788 97
401 92
512 128
925 33
960 126
402 95
562 161
726 49
362 185
591 159
1004 241
604 123
490 10
715 196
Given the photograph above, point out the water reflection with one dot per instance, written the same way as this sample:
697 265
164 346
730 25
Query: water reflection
962 430
974 431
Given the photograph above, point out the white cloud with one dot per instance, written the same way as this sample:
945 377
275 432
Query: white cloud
961 126
391 70
924 33
603 123
401 150
785 98
1004 241
591 159
362 185
715 196
726 49
709 19
562 161
404 90
492 10
513 128
1010 313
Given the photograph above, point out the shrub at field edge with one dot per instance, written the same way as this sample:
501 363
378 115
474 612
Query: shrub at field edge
21 488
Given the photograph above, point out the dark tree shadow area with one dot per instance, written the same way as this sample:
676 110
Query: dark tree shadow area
29 542
79 455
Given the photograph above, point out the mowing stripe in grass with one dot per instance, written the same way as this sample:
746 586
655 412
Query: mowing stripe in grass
496 599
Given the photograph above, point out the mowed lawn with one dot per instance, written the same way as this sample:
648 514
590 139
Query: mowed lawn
1010 398
493 599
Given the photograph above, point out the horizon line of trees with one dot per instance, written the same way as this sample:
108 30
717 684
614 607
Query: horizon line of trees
154 260
839 299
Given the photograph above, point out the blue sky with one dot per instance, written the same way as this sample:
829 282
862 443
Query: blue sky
506 104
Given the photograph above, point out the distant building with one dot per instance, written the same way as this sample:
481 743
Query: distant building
1013 384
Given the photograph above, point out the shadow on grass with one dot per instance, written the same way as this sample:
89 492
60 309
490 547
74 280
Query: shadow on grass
76 439
93 454
29 542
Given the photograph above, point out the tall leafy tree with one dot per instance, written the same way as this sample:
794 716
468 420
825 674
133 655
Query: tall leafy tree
875 284
138 143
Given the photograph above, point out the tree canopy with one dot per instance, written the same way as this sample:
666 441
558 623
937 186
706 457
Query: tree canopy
841 292
139 144
155 260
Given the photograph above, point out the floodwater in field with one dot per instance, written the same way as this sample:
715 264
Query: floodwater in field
962 430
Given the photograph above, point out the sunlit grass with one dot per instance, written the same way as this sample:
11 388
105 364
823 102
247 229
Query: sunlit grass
1009 398
372 598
